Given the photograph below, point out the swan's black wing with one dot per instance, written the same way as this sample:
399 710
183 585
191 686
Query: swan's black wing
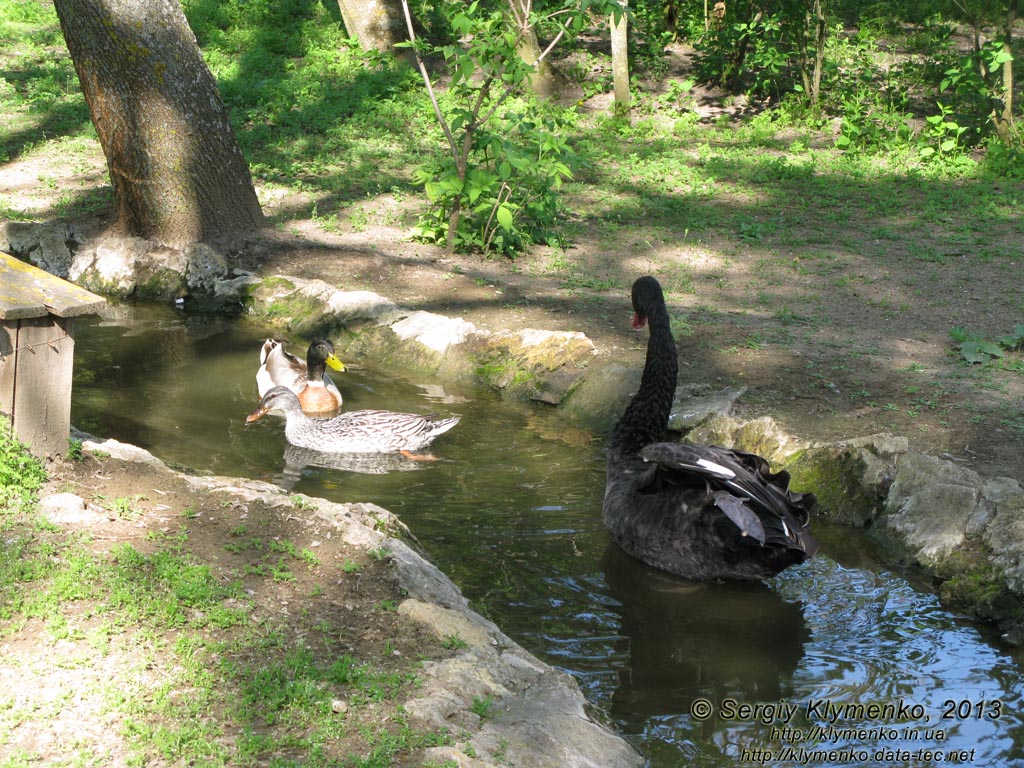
757 501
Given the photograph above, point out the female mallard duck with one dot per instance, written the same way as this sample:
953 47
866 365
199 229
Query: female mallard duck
701 512
352 432
307 378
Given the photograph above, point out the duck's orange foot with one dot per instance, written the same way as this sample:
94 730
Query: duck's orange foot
418 456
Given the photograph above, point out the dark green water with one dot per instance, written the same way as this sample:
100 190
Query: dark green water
838 656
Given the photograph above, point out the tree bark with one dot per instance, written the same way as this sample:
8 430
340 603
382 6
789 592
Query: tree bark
620 62
547 81
178 174
376 24
819 23
1004 120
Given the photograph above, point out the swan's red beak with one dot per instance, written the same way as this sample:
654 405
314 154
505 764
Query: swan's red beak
639 321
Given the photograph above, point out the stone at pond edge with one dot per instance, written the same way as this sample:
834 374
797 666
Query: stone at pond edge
761 436
966 531
47 245
600 398
1004 536
695 404
934 505
67 509
850 479
523 364
126 267
204 268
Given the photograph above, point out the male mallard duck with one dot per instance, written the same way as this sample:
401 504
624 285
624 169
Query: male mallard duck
352 432
308 379
701 512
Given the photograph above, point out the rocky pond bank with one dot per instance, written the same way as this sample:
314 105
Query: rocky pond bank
497 704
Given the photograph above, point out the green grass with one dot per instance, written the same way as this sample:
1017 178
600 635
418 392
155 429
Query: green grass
21 474
310 110
314 113
194 672
39 92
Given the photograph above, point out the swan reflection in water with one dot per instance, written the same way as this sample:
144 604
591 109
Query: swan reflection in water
297 459
687 640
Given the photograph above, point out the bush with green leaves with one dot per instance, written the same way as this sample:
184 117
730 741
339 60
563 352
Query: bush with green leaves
495 188
508 196
21 473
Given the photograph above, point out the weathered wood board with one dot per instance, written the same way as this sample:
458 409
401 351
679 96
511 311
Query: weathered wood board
37 349
27 291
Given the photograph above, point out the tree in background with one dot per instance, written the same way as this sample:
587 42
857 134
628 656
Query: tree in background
547 81
812 36
378 25
988 72
619 23
175 166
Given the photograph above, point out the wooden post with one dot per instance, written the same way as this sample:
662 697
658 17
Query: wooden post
37 352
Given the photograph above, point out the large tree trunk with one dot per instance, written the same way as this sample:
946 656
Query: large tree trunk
177 172
376 24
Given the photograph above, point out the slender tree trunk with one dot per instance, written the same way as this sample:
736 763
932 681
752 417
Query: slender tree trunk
620 61
820 37
1004 120
547 80
175 166
376 24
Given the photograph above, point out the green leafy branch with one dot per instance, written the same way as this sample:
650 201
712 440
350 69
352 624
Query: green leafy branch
496 186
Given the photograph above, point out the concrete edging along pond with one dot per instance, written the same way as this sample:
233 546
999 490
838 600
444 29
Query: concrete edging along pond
962 530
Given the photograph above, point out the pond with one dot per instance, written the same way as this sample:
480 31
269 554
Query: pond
837 661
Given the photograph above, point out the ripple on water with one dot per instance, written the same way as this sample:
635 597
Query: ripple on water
512 511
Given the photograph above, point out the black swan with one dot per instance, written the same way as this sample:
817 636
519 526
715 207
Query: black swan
700 512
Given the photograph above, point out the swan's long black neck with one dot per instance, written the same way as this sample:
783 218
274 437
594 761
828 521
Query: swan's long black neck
646 416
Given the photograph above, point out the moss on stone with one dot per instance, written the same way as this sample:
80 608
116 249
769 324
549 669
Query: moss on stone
507 375
302 314
761 436
971 583
160 285
837 477
270 286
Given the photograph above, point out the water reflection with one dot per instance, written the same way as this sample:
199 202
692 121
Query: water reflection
689 640
296 460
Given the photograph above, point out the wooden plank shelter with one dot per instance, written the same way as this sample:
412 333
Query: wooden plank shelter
37 348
